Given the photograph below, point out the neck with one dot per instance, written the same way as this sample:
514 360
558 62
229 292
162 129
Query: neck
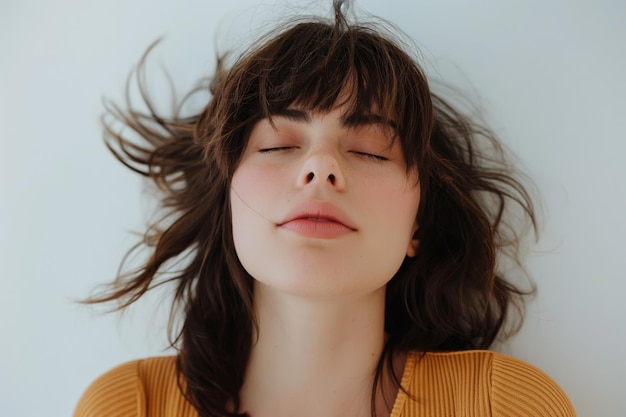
314 356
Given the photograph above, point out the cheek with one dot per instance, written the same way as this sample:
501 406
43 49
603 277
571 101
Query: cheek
395 207
244 203
252 189
398 200
245 181
252 194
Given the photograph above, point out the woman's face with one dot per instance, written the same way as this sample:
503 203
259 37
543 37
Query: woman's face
323 206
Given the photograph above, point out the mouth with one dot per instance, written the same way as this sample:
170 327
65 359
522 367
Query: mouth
318 219
315 219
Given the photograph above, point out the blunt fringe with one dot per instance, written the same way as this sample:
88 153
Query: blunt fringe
450 296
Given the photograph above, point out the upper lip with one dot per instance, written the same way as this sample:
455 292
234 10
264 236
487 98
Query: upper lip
324 210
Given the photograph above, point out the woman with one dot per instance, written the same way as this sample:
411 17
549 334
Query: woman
332 231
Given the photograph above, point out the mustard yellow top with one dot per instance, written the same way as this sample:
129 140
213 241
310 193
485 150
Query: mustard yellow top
458 384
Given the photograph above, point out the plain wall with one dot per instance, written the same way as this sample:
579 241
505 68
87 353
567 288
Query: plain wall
549 76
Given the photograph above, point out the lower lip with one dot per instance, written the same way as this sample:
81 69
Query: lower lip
323 229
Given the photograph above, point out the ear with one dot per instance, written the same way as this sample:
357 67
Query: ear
411 250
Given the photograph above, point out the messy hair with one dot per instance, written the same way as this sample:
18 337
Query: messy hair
450 296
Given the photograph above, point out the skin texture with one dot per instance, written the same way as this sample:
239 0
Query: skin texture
319 293
320 161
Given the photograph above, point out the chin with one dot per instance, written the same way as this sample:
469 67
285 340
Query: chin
319 283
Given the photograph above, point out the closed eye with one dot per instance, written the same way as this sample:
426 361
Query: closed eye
275 149
370 156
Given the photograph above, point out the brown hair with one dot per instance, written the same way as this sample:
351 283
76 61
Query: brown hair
449 296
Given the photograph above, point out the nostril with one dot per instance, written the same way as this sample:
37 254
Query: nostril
331 178
310 176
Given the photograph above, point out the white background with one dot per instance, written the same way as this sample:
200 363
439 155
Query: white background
548 74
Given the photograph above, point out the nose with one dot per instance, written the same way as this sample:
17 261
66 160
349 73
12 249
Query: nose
322 169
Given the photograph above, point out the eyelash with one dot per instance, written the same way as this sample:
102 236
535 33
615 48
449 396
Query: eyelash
366 155
278 148
372 156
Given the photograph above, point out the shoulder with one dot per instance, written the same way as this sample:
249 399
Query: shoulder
483 383
135 389
521 388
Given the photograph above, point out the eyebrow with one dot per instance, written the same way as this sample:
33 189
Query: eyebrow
294 115
350 120
357 120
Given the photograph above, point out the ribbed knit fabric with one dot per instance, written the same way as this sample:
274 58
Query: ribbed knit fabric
480 384
142 388
458 384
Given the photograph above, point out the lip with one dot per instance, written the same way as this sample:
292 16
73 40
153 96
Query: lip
318 219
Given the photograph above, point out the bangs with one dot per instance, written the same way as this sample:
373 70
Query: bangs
318 67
